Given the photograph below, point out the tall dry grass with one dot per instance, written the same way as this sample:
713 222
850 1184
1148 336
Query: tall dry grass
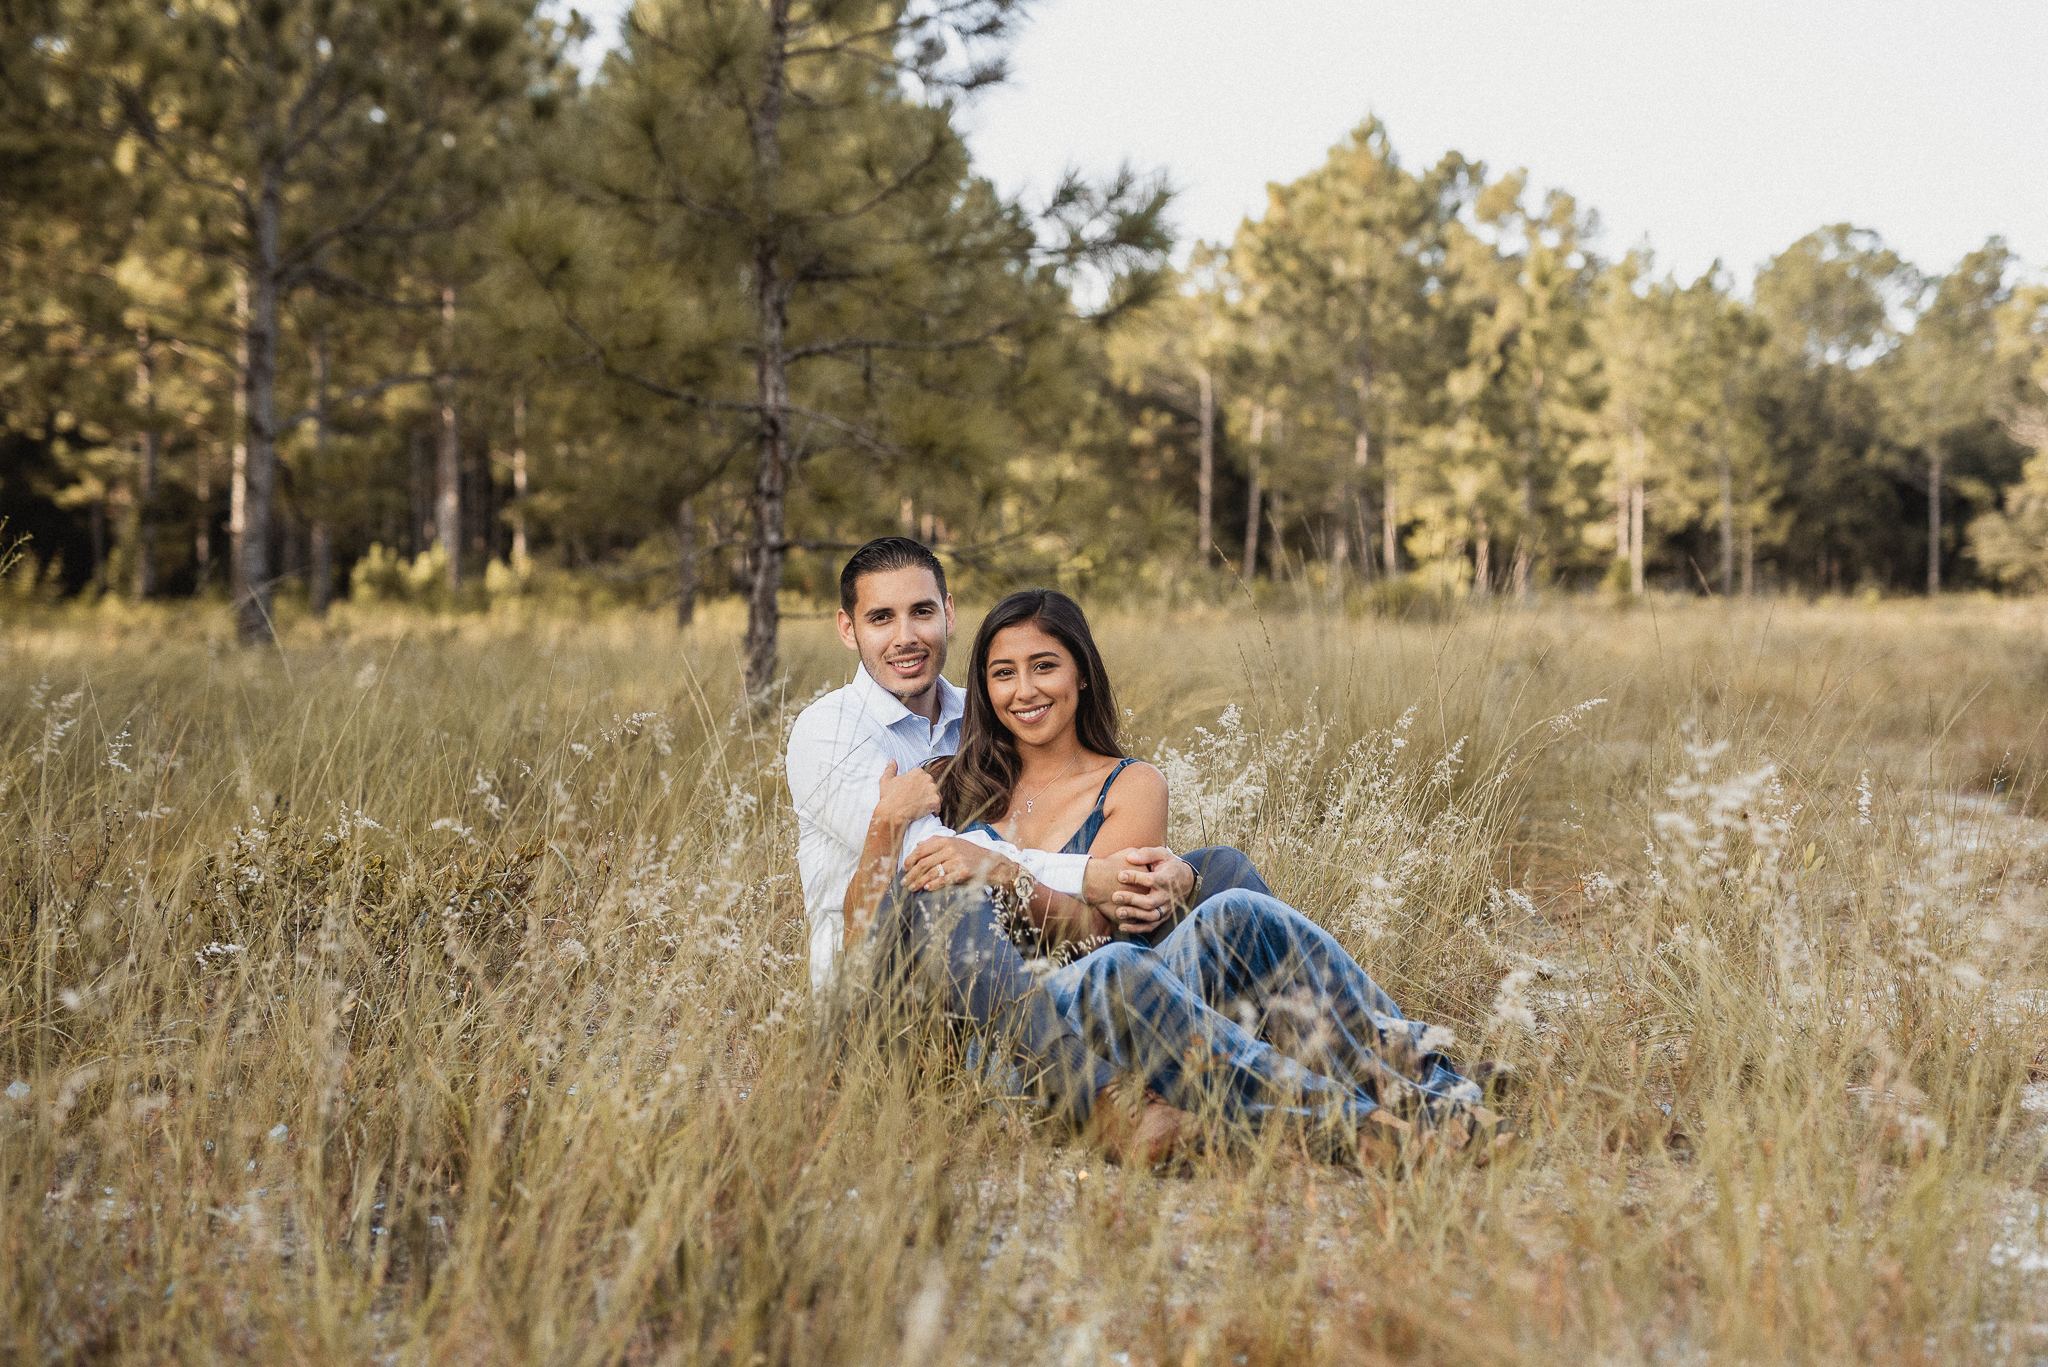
430 990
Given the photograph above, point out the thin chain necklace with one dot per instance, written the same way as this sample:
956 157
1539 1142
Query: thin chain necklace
1030 801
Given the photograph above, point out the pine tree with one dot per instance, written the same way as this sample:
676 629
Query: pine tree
283 135
772 226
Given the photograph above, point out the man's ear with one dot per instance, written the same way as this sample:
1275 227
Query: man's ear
845 621
949 614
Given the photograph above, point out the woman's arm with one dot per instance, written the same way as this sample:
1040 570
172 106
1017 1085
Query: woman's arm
903 800
1133 814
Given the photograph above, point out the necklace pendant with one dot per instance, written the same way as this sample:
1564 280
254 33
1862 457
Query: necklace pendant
1027 805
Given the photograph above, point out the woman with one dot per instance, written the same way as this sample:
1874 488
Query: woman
1039 766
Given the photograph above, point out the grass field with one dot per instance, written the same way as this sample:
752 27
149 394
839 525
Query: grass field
430 990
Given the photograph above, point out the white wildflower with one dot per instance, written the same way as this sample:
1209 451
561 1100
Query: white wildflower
740 804
16 1090
1569 719
114 749
1863 799
1448 764
1510 1005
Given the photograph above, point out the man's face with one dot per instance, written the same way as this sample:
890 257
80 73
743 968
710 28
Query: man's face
900 623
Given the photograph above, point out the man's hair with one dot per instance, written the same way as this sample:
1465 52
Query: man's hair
881 555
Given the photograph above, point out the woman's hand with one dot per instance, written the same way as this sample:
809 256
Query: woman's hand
946 860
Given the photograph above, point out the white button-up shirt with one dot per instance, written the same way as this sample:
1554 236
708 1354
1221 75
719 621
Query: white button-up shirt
837 751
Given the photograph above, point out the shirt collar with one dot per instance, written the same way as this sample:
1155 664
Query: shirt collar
888 709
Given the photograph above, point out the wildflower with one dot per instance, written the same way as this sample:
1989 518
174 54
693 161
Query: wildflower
1439 1039
1863 799
114 749
1448 764
16 1090
1510 1006
573 951
1568 720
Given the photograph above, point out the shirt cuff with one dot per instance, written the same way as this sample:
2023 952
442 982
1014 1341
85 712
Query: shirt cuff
1058 872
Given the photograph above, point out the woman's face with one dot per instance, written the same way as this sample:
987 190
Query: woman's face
1033 682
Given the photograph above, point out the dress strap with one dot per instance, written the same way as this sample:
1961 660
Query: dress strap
1102 796
1079 842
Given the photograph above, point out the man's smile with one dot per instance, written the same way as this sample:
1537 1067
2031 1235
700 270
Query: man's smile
911 665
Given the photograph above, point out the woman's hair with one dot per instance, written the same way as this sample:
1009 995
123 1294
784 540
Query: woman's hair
975 785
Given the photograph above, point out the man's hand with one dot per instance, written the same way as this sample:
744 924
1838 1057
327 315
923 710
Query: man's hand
1138 886
945 860
907 797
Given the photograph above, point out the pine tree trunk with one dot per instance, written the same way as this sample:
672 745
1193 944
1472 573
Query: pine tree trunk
146 474
252 595
1635 538
202 533
1620 517
1390 549
238 459
1354 504
519 479
771 305
1251 521
96 529
1525 569
448 503
1934 454
1727 526
1482 557
686 539
1205 473
1748 561
320 573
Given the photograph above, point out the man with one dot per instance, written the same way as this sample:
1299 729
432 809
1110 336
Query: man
857 752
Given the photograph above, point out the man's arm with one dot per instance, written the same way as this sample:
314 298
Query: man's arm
834 775
902 799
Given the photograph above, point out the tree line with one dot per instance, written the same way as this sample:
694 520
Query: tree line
381 297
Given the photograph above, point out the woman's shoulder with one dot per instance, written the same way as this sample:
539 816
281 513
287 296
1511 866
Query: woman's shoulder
1135 778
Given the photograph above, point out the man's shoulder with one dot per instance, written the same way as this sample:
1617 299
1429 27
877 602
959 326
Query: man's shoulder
830 729
828 714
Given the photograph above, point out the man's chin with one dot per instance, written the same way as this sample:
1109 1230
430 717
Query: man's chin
902 689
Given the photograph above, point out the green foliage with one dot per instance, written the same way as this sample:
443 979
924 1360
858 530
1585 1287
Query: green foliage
386 275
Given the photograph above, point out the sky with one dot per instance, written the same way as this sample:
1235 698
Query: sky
1709 130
